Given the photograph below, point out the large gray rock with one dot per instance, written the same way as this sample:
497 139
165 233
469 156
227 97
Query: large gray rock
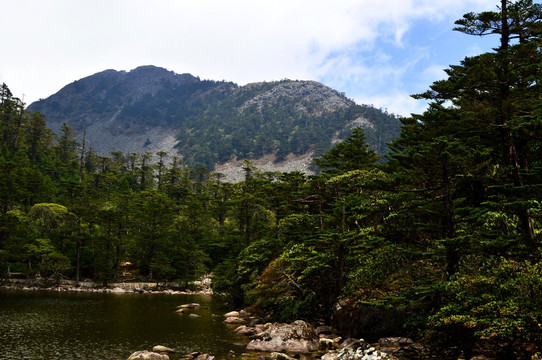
298 337
147 355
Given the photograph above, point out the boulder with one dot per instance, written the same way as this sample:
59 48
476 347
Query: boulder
298 337
232 314
205 357
161 348
278 356
194 315
147 355
234 320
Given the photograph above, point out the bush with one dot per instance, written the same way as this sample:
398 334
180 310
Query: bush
500 303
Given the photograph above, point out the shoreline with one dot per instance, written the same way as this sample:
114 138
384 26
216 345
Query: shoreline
114 288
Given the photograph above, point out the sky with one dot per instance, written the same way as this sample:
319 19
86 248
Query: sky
376 52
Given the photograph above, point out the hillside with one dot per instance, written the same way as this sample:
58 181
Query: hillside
211 123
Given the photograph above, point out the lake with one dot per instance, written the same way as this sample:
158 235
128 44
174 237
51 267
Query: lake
46 325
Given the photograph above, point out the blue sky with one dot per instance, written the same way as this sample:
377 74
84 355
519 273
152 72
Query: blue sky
376 52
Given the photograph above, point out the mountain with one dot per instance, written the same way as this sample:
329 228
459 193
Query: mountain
279 125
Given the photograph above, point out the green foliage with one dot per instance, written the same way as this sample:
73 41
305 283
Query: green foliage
500 302
447 233
351 154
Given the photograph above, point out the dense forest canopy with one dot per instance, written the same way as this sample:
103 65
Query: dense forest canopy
441 242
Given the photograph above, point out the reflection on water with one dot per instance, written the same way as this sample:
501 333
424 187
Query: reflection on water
88 326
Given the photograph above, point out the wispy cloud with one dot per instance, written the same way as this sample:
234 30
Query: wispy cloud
364 48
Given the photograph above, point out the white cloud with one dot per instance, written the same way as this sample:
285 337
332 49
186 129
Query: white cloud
58 41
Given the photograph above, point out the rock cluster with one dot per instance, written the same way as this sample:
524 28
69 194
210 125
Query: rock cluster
182 309
290 341
160 352
297 337
353 349
282 341
239 317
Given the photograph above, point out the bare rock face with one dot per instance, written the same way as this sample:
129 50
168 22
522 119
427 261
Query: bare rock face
147 355
298 337
325 98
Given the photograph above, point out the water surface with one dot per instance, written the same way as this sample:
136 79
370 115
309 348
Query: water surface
44 325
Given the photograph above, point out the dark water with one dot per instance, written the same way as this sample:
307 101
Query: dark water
51 325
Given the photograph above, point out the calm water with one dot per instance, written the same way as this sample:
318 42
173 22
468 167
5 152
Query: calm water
50 325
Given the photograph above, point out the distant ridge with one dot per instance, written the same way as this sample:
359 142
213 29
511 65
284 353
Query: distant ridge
212 123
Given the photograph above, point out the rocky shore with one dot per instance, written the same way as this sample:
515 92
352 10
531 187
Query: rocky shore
298 340
301 340
201 286
289 341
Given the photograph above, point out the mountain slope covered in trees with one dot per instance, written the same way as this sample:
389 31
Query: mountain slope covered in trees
209 122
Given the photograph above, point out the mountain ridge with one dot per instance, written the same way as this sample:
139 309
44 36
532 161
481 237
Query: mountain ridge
211 123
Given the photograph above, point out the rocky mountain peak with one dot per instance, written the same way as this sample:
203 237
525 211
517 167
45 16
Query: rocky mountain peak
150 79
212 123
313 97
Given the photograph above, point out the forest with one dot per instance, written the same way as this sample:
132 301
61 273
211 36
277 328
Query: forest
441 241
